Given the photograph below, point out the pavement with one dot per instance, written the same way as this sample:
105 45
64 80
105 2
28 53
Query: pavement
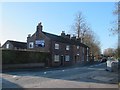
52 68
89 76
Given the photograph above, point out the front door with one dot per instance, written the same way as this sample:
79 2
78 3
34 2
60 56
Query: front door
75 59
62 60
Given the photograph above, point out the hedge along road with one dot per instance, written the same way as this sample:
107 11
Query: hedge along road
15 57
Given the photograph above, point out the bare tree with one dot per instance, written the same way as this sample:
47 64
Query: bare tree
116 27
116 23
85 34
109 52
117 53
80 26
117 8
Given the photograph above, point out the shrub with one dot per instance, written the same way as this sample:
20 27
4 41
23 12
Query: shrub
22 57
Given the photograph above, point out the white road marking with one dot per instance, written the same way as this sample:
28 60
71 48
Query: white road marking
100 64
97 64
76 68
15 76
45 72
96 69
91 66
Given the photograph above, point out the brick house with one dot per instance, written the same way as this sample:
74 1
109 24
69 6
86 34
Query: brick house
64 50
14 45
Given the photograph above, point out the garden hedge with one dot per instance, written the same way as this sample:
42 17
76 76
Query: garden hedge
23 57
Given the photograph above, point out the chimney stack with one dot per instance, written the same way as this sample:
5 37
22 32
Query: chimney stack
79 40
68 36
63 34
39 27
29 35
39 30
73 37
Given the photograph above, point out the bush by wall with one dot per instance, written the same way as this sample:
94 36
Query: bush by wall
23 57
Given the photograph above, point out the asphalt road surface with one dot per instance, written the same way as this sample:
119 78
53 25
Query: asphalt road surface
94 76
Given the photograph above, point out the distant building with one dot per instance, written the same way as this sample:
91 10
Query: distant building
15 45
64 50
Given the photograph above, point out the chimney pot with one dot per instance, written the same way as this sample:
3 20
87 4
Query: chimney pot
68 36
29 35
39 27
74 37
63 34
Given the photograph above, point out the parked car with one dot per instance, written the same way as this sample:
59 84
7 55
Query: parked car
112 64
103 60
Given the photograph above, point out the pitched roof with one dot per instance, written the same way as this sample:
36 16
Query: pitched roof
17 44
63 40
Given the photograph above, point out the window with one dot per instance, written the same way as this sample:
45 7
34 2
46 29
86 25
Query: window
87 51
87 54
67 58
78 47
56 46
83 54
31 44
83 50
56 58
67 47
7 45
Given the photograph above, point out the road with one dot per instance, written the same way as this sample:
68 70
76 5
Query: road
94 76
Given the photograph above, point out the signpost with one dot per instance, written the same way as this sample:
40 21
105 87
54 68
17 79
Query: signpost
40 43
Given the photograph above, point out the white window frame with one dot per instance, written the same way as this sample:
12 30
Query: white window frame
67 58
87 54
78 47
83 54
32 44
56 46
67 47
7 45
56 58
83 50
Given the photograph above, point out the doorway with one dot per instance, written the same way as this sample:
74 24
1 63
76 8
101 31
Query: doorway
75 59
62 60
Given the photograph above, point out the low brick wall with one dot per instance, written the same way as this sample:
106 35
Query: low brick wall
23 66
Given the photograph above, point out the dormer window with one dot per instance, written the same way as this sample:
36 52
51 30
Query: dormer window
56 46
67 47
